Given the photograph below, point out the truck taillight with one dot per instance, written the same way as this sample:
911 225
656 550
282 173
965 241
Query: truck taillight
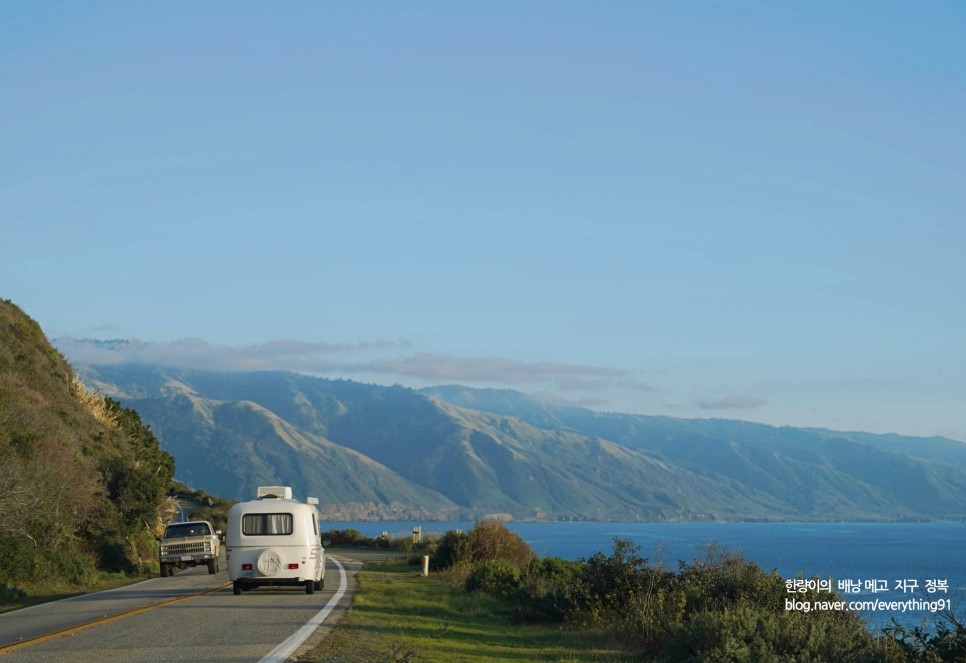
293 566
246 567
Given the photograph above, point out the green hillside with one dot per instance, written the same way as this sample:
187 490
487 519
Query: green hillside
82 480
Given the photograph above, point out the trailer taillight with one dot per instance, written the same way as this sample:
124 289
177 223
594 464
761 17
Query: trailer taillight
293 566
246 567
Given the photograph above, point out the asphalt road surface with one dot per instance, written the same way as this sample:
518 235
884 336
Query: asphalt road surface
192 616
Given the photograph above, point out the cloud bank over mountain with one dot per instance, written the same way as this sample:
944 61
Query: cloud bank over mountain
342 358
673 388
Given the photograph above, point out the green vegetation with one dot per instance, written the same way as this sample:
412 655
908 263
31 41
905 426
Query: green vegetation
403 546
495 600
399 616
82 479
201 505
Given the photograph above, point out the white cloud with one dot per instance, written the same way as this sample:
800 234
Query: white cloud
379 361
322 358
281 354
732 403
485 369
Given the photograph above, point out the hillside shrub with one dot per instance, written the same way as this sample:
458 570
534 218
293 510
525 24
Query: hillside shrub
635 599
401 542
491 540
497 577
745 632
450 550
23 562
345 537
734 611
11 594
720 607
946 642
21 559
719 578
81 478
547 590
487 541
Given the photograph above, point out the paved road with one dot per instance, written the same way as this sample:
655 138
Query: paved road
172 623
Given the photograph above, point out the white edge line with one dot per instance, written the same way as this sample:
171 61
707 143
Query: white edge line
284 650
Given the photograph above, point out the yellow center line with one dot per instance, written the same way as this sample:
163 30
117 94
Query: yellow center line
71 630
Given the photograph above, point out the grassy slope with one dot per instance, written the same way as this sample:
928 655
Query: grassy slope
398 615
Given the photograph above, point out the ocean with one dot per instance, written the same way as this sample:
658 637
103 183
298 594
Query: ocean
905 568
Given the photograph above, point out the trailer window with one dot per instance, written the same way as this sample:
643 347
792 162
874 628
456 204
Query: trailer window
258 524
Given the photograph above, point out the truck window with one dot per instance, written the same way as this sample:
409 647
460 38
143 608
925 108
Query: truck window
178 531
259 524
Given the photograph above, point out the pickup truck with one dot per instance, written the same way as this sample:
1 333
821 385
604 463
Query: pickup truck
193 543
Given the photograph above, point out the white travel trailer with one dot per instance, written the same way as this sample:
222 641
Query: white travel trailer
275 541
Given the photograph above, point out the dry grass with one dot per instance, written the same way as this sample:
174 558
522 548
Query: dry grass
93 402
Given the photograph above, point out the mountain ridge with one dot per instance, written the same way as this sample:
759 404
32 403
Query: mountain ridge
452 452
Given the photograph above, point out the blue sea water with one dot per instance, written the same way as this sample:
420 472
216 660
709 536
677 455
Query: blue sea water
895 555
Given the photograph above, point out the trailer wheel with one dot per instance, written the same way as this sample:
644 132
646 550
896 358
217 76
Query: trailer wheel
165 570
236 588
213 566
317 585
309 586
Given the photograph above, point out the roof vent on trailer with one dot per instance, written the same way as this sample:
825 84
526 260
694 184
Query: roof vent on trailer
312 500
275 492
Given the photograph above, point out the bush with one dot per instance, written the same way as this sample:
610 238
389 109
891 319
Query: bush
721 607
11 594
74 567
734 611
450 550
21 558
745 632
627 594
490 540
946 643
720 578
495 576
547 590
345 537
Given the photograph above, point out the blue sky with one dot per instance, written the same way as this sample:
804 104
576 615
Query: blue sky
750 210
